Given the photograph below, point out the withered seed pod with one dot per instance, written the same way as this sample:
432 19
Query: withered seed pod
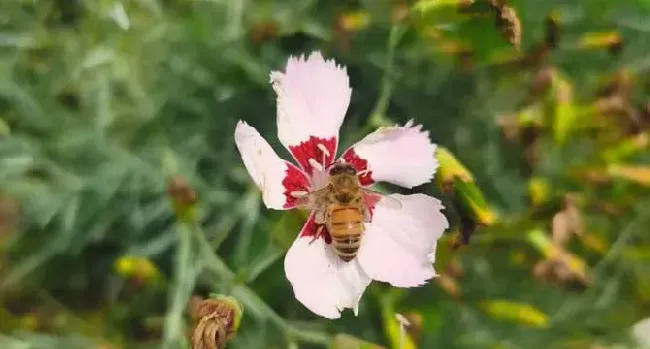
217 319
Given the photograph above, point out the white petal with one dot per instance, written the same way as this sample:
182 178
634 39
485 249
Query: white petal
402 155
274 176
397 245
321 281
313 95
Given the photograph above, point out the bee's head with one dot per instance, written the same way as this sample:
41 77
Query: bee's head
342 168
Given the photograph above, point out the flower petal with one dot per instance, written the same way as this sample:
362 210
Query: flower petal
401 155
275 177
397 245
313 95
321 281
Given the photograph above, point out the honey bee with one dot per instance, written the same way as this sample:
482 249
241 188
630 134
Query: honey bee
342 208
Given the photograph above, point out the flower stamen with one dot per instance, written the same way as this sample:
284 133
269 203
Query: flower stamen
325 152
322 148
316 165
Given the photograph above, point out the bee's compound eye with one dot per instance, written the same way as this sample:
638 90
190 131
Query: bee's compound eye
338 169
351 170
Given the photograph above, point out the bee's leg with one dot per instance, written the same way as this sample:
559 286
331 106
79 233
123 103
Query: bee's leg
302 198
318 234
367 217
319 217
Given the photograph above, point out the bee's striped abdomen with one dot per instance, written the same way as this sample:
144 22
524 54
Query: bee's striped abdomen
345 227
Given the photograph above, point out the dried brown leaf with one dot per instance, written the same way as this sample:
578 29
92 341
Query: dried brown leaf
561 228
454 269
542 269
449 285
567 222
509 127
507 22
638 174
414 331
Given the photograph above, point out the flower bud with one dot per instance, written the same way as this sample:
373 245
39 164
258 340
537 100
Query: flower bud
453 178
563 109
597 40
183 199
353 21
449 169
138 269
472 203
539 191
516 312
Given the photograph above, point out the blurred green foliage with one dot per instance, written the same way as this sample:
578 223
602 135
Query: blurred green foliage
104 104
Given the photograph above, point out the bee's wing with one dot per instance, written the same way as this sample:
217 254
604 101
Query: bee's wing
315 201
384 200
311 199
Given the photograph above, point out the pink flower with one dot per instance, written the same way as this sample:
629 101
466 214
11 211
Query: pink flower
398 244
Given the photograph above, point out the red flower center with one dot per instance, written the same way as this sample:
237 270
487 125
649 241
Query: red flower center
315 156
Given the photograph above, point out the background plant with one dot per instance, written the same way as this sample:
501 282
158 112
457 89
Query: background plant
122 194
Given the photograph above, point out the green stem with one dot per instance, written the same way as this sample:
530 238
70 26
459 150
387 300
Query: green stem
185 272
378 115
223 276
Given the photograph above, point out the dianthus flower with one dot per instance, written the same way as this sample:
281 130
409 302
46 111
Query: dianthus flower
398 243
